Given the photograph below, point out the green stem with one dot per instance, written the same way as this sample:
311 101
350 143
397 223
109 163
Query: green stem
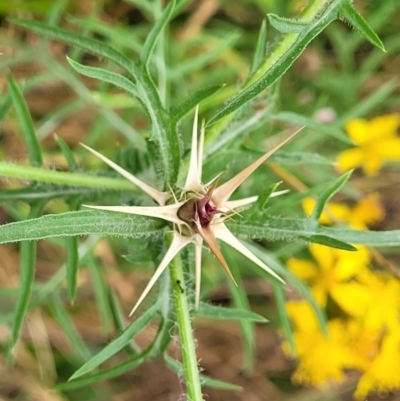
287 41
188 349
276 53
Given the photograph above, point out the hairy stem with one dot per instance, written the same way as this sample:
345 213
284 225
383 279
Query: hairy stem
188 349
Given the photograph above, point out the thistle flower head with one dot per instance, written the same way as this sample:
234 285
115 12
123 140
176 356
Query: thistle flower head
198 215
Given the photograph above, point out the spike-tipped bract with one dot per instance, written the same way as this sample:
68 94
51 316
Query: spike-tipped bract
198 215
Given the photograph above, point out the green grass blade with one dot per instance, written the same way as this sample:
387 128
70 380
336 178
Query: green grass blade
27 267
106 374
85 222
25 122
329 130
193 100
327 194
88 44
152 37
28 173
369 103
72 262
288 276
221 313
281 65
118 35
27 276
118 343
359 23
66 151
240 300
260 47
62 318
283 316
118 317
100 291
106 76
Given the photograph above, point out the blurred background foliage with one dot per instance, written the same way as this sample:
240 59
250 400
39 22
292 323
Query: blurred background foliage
339 77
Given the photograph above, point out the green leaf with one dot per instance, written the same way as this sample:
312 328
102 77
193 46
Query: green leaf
65 178
106 76
369 103
359 23
27 266
240 301
72 262
60 315
177 367
282 271
328 193
325 129
118 343
273 228
259 51
100 291
106 374
25 122
331 242
281 65
118 317
152 37
279 293
287 25
88 44
66 151
27 272
221 313
193 100
85 222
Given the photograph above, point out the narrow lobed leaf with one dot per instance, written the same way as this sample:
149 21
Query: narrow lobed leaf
287 25
152 37
328 193
282 65
221 313
118 343
359 23
25 122
73 39
106 76
85 222
193 100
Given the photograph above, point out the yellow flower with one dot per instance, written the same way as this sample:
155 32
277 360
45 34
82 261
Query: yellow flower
382 374
366 212
380 307
321 359
333 274
376 142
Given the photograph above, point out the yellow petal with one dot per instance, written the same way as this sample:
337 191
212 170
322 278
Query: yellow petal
358 131
324 256
372 163
383 126
348 264
389 149
303 269
349 159
351 297
366 212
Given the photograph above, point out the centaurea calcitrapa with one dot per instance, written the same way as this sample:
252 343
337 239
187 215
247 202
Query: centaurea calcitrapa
198 215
